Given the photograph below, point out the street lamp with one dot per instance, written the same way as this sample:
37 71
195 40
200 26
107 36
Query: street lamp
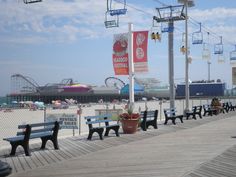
187 3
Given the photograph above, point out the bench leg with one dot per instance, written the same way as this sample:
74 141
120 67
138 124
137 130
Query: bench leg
100 134
166 120
55 143
173 121
143 126
200 115
211 113
187 116
155 125
99 131
13 149
23 144
26 149
44 141
152 123
181 119
90 135
115 128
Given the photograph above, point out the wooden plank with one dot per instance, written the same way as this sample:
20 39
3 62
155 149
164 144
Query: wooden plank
72 149
17 164
48 154
42 161
23 162
78 148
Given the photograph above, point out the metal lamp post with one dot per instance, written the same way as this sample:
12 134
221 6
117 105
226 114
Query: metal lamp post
187 3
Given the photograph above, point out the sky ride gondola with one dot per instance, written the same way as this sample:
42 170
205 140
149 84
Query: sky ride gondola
221 58
166 29
233 55
111 21
197 37
121 10
31 1
218 48
155 31
112 14
206 52
182 47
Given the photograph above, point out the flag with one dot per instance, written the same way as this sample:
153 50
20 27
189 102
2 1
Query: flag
140 42
120 54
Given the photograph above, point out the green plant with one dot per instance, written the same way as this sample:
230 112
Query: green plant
129 115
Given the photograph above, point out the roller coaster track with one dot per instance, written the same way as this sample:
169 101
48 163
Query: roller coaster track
26 79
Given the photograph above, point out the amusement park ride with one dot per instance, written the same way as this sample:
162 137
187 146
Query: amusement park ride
233 55
116 8
31 1
114 82
197 37
112 14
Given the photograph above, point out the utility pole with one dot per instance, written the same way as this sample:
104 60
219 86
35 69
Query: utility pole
187 3
171 63
168 15
131 67
209 70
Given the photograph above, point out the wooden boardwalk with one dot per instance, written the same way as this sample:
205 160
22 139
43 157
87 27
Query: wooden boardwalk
223 165
195 148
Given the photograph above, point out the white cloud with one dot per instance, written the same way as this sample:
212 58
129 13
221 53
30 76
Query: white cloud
52 18
213 14
60 21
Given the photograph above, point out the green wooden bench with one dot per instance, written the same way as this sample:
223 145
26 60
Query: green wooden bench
99 123
46 131
170 114
148 118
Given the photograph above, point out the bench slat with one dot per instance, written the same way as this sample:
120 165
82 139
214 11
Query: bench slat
37 131
98 116
12 139
36 125
39 135
42 124
32 136
98 121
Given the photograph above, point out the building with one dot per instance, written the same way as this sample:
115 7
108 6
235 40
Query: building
202 89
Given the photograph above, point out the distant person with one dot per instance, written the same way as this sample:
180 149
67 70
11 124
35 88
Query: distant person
216 104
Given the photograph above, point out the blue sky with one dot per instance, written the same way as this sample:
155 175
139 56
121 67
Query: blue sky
57 39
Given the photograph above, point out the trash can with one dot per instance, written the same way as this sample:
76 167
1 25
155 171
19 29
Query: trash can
5 169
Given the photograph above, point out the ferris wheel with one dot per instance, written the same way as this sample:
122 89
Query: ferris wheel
114 82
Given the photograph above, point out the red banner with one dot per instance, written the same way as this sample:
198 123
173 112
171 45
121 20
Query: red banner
140 42
120 54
